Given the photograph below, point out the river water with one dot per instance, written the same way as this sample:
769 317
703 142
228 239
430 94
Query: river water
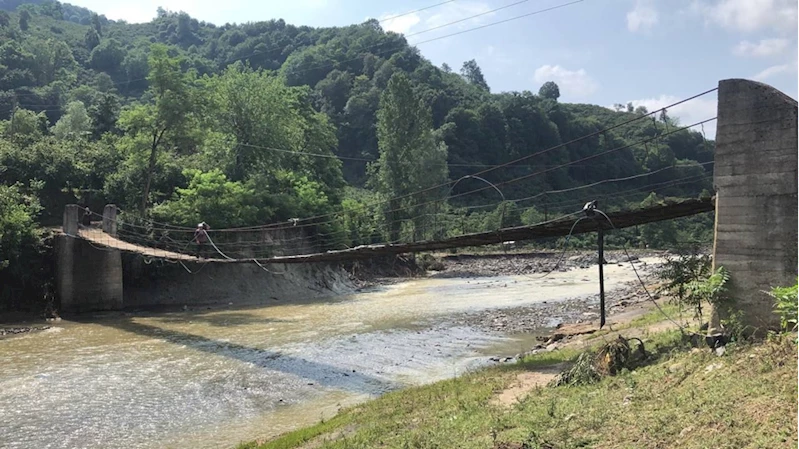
213 378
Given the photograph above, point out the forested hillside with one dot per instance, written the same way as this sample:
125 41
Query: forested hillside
261 122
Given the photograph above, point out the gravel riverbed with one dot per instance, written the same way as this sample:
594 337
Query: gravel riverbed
545 316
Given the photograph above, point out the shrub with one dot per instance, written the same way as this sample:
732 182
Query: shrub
679 274
785 304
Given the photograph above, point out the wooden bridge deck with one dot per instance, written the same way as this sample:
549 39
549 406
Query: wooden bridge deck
557 228
97 237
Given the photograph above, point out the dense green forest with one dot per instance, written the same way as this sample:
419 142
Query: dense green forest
256 123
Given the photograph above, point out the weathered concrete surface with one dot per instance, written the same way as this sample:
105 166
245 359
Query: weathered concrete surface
110 220
755 177
87 278
163 283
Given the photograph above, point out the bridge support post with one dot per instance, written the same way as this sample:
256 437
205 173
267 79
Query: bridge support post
71 217
88 278
110 220
755 177
601 243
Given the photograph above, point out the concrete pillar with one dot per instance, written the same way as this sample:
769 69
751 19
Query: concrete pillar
110 220
71 218
64 269
755 177
88 278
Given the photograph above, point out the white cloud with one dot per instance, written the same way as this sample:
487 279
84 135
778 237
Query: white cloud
749 15
688 113
572 83
400 24
766 47
642 17
774 70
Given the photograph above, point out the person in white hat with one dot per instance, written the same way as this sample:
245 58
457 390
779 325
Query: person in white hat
201 239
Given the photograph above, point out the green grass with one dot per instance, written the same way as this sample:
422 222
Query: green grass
298 437
748 399
656 316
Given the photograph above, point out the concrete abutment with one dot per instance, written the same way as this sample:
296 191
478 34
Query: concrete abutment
755 178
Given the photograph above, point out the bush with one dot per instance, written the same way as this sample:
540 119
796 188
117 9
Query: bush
785 304
212 198
429 262
679 273
18 230
25 262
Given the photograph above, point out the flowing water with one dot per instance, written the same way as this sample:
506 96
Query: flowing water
212 378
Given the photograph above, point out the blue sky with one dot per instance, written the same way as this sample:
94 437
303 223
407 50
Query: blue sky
650 52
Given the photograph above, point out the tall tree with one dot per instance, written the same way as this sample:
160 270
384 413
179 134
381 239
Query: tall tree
549 90
170 114
24 18
104 115
107 56
259 111
412 158
97 25
74 124
91 39
471 71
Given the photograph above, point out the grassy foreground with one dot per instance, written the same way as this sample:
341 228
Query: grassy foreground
685 398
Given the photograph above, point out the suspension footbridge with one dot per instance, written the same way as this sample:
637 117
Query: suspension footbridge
554 228
751 178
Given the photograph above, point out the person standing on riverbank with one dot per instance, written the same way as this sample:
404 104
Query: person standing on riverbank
201 239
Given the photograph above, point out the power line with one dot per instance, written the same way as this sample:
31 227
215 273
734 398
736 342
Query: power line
604 181
414 11
593 156
360 159
467 18
552 8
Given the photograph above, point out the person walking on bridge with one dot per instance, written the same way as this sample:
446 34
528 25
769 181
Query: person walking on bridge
201 239
86 220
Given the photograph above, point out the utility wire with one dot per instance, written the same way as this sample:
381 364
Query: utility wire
467 18
414 11
540 11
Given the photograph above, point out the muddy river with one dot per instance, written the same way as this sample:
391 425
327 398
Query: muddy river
212 378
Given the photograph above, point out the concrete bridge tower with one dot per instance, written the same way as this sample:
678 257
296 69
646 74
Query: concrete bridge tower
755 177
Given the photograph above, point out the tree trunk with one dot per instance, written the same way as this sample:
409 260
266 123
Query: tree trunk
150 170
394 224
